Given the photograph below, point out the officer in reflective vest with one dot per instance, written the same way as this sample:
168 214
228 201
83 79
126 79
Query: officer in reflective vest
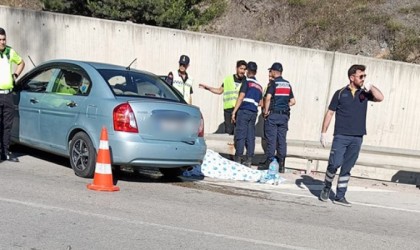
277 104
230 90
180 79
245 115
8 57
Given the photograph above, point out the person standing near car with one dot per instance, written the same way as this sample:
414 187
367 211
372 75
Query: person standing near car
278 100
8 57
230 90
180 79
245 115
350 106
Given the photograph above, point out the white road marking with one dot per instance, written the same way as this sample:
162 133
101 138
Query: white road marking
143 223
287 186
276 189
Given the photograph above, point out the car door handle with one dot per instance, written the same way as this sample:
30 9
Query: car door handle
34 100
71 104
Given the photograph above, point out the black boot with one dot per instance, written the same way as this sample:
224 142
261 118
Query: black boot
281 165
248 161
264 165
238 159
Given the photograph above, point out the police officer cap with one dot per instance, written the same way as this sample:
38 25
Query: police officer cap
185 60
251 66
276 66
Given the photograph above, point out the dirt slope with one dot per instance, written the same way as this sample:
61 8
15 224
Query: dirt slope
387 29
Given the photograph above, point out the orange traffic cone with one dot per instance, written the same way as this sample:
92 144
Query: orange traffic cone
102 181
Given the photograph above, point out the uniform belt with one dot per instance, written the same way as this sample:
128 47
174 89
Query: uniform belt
283 112
5 91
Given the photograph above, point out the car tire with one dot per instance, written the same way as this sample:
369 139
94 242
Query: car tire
82 155
171 172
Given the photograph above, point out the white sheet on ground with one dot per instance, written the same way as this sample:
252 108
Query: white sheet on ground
216 166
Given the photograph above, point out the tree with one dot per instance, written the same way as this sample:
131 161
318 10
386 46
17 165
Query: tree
178 14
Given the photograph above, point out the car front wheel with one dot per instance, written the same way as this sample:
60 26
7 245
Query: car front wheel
82 155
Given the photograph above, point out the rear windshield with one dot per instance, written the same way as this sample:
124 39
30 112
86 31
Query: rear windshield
130 83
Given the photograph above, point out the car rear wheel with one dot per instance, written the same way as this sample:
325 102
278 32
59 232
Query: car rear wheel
171 172
82 155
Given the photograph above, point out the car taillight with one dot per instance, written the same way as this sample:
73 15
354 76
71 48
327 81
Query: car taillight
124 119
201 128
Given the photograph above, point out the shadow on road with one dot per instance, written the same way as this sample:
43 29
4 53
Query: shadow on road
407 177
147 175
313 185
130 175
20 150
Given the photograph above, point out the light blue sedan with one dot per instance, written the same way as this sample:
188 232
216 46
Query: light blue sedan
62 105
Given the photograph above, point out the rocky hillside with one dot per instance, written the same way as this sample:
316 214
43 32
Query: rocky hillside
388 29
27 4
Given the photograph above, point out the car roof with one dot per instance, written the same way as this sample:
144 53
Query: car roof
97 65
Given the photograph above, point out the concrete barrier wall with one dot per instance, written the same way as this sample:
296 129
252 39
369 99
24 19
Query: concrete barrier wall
315 75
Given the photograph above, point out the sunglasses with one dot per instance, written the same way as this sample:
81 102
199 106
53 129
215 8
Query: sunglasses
361 77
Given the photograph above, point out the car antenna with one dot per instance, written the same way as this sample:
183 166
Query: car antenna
128 67
31 60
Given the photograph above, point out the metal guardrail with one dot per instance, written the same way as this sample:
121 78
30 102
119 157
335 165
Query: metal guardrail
370 156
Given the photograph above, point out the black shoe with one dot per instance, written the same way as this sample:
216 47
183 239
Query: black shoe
264 165
325 194
238 159
342 202
248 162
9 157
282 169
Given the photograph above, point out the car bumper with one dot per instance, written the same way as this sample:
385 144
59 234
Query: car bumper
160 154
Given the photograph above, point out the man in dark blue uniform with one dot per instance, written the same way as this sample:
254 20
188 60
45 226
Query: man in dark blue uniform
278 99
350 105
245 115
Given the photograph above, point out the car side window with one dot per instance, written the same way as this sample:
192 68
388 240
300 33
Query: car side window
39 82
70 82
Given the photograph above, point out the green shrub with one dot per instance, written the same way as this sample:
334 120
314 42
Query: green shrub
297 3
393 26
412 10
376 19
167 13
335 44
321 23
403 48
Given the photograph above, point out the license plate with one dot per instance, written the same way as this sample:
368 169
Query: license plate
171 126
186 126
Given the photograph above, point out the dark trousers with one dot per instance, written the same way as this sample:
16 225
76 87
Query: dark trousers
229 126
275 132
245 132
7 111
344 153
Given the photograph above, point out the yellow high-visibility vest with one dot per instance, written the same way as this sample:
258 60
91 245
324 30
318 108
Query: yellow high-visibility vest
183 87
230 92
7 57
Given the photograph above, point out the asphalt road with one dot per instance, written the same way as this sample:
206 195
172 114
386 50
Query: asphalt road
45 206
